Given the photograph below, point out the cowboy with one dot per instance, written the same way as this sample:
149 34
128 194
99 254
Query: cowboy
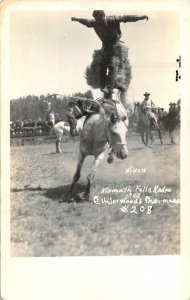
159 112
72 112
173 108
160 116
148 107
109 32
87 107
170 107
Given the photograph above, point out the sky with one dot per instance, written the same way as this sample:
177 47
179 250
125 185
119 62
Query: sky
49 53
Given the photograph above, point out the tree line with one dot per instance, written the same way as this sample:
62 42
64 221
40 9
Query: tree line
35 107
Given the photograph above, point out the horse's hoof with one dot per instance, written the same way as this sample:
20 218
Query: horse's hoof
110 160
61 200
65 198
58 152
84 196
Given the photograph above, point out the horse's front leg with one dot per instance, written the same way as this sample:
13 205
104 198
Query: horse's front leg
151 139
111 156
160 137
58 148
172 137
142 137
76 177
147 136
91 175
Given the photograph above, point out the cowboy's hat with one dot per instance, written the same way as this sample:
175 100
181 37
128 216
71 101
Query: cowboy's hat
146 94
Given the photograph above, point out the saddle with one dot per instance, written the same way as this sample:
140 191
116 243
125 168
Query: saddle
89 107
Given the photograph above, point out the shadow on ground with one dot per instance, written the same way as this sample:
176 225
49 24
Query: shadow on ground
57 193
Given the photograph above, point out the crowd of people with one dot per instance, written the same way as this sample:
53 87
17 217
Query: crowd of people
32 127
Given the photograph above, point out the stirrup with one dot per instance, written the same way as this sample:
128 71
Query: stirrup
105 90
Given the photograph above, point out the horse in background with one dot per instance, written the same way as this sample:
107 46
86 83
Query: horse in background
172 122
145 127
134 118
103 128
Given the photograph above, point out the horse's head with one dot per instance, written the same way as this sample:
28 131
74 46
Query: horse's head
117 136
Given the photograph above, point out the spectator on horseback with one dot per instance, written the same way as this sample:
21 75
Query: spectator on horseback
109 32
170 107
161 115
159 112
148 108
173 108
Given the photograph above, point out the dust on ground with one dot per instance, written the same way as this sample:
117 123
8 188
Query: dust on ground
41 226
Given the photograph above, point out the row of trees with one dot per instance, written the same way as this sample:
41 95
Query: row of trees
34 107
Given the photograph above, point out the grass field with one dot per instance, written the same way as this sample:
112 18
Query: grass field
41 226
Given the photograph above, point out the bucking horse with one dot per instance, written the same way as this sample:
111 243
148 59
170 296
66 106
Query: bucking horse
108 127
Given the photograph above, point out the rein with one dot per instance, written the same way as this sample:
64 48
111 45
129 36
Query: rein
118 119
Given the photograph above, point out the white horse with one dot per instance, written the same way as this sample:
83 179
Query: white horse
109 126
62 127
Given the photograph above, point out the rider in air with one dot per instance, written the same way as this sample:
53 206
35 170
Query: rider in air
109 32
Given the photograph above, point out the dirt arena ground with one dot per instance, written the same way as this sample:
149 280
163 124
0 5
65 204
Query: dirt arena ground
118 220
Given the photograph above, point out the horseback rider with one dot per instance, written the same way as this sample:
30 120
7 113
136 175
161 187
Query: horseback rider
109 32
148 108
170 107
173 108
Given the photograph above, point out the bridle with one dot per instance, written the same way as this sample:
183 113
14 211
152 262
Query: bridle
117 119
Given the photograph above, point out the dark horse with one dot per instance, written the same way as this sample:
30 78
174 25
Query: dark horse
172 121
145 126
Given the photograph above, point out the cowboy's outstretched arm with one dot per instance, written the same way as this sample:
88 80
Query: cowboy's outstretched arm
130 18
86 22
